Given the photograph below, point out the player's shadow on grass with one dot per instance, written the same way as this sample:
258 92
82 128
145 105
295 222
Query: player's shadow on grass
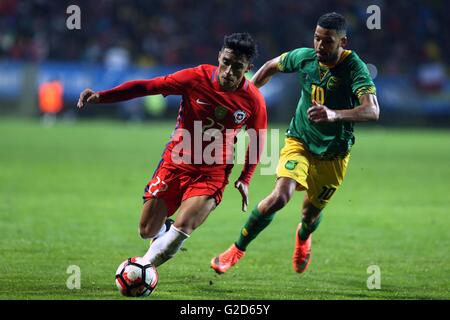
358 289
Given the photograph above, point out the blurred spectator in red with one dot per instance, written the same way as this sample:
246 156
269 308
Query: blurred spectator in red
51 101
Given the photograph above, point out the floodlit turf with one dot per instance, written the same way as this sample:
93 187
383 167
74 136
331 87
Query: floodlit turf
71 195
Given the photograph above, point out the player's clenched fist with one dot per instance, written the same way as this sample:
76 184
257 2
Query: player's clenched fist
320 113
88 96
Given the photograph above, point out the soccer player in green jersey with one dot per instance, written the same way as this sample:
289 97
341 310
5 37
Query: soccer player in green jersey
336 91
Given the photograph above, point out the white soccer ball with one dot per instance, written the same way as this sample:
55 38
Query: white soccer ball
136 278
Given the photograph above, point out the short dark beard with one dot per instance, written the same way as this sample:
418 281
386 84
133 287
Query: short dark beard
332 59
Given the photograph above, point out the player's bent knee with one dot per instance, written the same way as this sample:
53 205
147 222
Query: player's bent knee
146 232
278 200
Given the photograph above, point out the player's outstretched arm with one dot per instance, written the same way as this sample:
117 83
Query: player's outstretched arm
177 83
368 110
265 73
126 91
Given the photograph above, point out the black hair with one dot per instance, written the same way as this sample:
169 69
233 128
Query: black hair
333 21
241 44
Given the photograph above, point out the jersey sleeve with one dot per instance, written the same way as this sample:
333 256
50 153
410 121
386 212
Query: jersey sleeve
257 130
290 61
361 82
178 83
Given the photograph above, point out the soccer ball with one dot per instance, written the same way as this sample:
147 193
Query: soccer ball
136 278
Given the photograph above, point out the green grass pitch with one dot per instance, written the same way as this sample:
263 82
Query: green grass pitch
71 195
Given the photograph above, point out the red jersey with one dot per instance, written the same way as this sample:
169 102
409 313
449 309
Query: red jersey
208 117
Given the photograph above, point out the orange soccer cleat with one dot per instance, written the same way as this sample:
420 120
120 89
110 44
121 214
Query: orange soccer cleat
226 260
302 252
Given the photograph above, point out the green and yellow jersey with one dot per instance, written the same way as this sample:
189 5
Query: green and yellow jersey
337 87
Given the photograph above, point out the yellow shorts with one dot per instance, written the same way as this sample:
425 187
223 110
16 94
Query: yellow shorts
320 178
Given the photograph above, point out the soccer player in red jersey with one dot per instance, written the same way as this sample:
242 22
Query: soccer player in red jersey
217 101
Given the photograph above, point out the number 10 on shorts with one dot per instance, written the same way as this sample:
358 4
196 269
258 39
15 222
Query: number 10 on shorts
327 193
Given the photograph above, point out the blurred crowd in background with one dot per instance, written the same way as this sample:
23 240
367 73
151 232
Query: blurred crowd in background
408 56
175 32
